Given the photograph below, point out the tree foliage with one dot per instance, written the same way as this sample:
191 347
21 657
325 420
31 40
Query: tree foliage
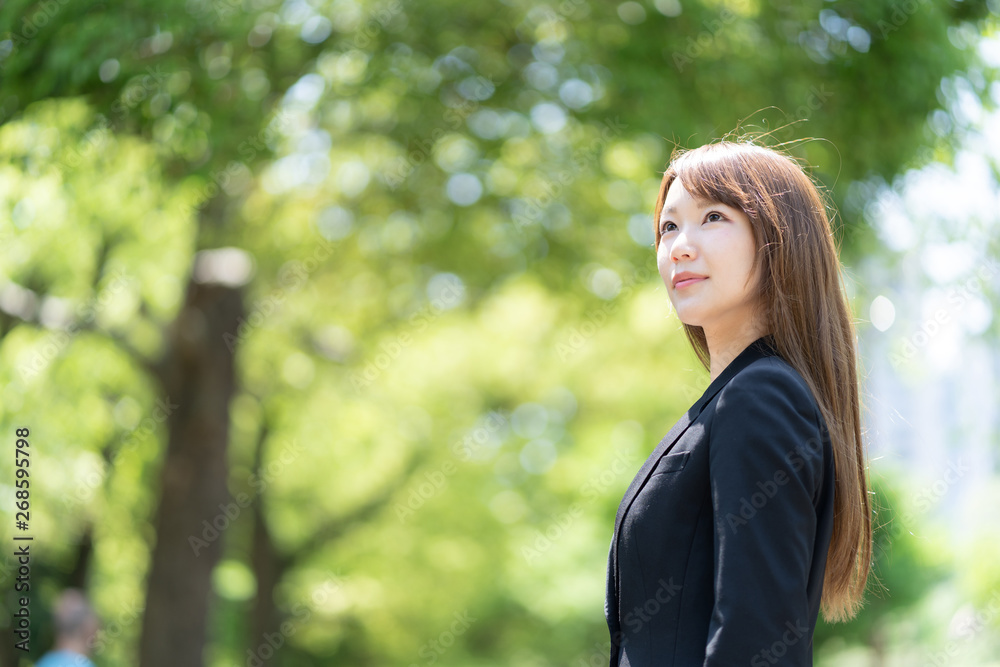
453 349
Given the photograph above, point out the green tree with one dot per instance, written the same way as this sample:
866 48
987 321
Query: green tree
352 232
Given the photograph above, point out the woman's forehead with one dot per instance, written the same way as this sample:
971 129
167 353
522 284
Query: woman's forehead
683 197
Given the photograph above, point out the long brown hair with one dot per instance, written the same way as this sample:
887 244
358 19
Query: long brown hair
801 301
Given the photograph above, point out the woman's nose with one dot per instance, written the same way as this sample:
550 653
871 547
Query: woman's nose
682 248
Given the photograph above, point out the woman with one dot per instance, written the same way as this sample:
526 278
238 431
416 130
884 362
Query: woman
753 511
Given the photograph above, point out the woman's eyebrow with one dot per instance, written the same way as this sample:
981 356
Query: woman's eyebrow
700 202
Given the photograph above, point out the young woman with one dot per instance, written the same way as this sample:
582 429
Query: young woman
753 512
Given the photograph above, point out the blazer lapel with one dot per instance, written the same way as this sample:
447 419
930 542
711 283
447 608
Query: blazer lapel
647 467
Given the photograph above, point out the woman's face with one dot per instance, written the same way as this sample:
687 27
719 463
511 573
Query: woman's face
714 242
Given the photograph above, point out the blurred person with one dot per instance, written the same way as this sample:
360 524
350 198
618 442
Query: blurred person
76 626
753 511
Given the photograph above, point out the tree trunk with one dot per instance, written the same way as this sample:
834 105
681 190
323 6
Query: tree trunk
269 568
270 565
197 375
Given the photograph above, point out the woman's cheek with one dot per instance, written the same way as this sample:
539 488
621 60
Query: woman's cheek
663 263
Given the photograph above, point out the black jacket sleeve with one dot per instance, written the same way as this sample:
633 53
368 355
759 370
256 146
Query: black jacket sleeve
766 469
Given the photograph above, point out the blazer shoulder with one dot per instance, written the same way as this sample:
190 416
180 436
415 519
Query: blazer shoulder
767 419
772 379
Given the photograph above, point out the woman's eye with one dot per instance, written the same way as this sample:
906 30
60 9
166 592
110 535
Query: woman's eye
714 216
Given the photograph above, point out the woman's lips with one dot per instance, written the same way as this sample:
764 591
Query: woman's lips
689 281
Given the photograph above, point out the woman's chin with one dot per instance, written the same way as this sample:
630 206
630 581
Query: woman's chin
687 317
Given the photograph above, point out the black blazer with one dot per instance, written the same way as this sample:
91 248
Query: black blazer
720 542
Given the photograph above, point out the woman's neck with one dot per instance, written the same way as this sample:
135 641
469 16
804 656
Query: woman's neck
723 349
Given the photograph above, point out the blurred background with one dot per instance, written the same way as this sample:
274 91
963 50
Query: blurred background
336 329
